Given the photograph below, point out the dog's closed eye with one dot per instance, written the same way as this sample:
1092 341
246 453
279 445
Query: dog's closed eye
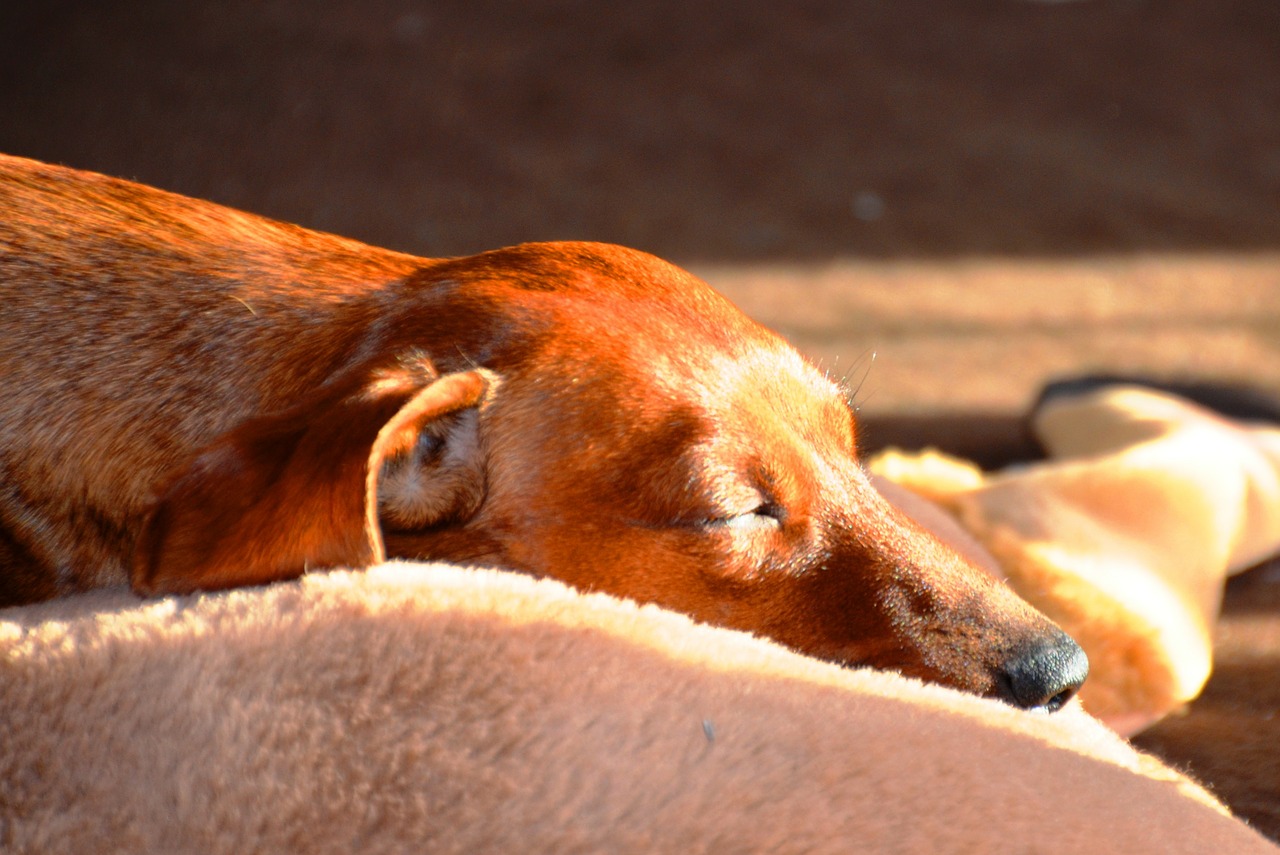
763 518
761 514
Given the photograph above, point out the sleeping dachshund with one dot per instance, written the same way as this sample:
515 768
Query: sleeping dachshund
196 398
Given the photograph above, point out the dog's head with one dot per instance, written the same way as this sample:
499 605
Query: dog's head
598 416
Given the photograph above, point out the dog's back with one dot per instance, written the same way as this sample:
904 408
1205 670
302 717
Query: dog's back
138 324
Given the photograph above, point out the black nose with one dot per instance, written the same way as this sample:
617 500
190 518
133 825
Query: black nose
1046 674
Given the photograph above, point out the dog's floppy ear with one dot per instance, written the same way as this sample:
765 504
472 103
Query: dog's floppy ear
298 490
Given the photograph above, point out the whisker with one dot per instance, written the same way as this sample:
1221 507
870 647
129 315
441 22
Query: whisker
853 396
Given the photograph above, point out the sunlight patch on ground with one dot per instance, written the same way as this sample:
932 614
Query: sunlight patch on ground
995 329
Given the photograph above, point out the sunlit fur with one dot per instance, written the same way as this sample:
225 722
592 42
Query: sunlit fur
199 398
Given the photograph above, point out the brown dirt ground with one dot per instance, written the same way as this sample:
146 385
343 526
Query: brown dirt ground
945 202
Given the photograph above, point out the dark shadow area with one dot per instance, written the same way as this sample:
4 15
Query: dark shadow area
1227 737
721 131
991 440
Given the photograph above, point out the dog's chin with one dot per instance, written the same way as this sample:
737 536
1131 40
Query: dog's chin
449 544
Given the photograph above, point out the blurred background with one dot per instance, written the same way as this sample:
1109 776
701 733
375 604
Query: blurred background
948 203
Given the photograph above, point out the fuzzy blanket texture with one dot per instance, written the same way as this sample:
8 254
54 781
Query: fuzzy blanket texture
433 708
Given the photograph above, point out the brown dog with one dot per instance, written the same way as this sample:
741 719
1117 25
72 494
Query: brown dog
197 398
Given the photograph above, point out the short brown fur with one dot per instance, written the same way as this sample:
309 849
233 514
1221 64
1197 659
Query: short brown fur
199 398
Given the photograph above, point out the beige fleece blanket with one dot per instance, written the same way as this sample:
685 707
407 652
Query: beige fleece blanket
1124 536
436 709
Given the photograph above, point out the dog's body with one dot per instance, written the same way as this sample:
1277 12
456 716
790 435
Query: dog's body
200 398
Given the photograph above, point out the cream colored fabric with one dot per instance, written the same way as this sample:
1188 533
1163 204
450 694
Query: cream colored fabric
419 708
1125 535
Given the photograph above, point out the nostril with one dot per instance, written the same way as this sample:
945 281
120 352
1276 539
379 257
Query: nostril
1046 675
